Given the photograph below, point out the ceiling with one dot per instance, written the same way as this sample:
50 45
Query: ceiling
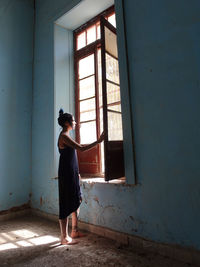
83 12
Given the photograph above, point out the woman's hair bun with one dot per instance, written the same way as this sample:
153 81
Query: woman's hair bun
64 117
61 112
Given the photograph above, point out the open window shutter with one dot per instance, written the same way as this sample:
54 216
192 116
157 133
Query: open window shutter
112 118
87 113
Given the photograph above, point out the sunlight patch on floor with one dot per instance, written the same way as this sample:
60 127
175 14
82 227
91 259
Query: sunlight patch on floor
24 233
43 240
7 246
24 238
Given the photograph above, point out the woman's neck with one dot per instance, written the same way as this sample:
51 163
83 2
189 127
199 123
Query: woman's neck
65 130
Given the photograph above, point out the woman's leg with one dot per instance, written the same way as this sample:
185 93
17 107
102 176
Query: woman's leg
74 221
65 238
63 225
75 232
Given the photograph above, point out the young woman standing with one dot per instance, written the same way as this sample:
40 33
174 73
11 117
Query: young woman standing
68 178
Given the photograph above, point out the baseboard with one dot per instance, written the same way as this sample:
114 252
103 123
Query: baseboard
45 215
185 255
15 212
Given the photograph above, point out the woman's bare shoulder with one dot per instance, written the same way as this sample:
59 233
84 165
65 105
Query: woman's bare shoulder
66 140
62 140
64 136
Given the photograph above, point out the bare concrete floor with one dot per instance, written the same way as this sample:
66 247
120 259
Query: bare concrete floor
34 241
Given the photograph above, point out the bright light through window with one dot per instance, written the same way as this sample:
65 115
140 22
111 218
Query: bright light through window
24 238
112 20
7 246
24 243
43 240
8 236
24 233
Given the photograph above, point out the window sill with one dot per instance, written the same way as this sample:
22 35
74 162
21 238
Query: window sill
102 180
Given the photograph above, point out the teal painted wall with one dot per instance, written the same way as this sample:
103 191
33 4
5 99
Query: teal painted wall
64 89
16 47
52 62
163 58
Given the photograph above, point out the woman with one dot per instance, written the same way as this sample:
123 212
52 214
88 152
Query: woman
68 177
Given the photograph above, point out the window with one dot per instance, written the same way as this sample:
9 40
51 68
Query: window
98 102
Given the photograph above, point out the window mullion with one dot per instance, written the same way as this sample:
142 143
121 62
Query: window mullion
88 98
77 107
97 93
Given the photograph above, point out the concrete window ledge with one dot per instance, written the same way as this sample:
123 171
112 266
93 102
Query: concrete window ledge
102 180
99 180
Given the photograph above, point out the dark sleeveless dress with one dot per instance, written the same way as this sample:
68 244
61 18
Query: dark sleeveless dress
68 182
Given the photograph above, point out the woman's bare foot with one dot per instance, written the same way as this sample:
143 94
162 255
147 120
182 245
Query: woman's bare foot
68 241
77 234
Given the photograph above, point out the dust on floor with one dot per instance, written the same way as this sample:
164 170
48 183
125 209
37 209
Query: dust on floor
34 241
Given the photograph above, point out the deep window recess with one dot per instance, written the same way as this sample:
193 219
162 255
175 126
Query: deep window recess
98 102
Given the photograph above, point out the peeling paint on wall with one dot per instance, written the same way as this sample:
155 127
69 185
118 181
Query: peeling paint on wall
14 209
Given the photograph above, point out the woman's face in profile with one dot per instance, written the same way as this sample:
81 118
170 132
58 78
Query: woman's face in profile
73 123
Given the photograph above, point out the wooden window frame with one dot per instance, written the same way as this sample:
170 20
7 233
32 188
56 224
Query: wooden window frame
83 52
106 13
87 50
114 159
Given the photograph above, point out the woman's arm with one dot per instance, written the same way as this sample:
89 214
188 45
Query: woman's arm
67 140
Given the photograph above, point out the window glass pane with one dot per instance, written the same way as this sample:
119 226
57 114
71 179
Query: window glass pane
86 88
112 69
87 115
88 132
114 126
115 107
113 93
87 105
81 40
112 20
98 32
87 110
86 66
111 42
91 34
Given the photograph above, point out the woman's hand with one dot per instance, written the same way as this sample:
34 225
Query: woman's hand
101 138
89 146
